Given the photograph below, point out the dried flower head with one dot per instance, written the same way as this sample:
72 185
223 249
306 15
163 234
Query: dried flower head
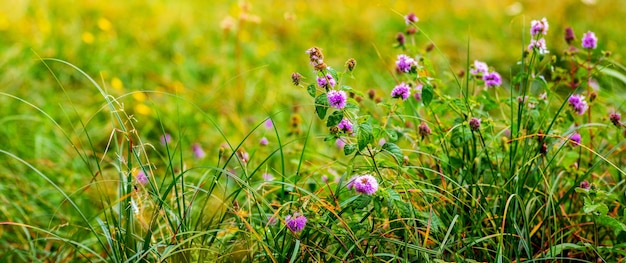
316 57
424 130
401 39
295 78
569 35
615 118
585 185
474 124
371 93
410 18
351 64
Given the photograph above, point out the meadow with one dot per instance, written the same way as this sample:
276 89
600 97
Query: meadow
331 131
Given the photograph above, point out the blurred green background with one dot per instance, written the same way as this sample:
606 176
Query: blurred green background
233 59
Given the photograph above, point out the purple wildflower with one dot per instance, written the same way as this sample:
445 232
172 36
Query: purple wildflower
474 124
197 151
615 118
337 99
404 63
590 41
325 178
350 184
382 141
269 124
401 39
410 18
417 92
263 141
321 81
267 177
575 138
578 103
166 138
243 156
480 68
340 143
402 91
492 79
540 45
331 81
585 185
271 220
296 222
345 125
365 184
539 27
141 177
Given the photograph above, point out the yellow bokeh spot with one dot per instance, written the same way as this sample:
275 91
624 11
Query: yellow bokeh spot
104 24
178 58
140 96
4 22
178 86
88 37
117 84
142 109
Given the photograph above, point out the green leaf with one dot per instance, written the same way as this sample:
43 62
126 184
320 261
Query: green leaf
394 150
321 105
364 135
362 201
311 89
334 118
427 94
333 73
558 249
612 223
349 149
602 209
393 135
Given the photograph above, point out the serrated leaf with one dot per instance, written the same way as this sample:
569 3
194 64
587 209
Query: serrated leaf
334 118
321 105
349 149
311 90
612 223
394 150
364 135
427 94
602 209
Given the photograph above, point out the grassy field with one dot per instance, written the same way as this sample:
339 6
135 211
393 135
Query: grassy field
165 131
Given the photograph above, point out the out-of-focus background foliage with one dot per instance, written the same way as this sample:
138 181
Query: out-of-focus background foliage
233 56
